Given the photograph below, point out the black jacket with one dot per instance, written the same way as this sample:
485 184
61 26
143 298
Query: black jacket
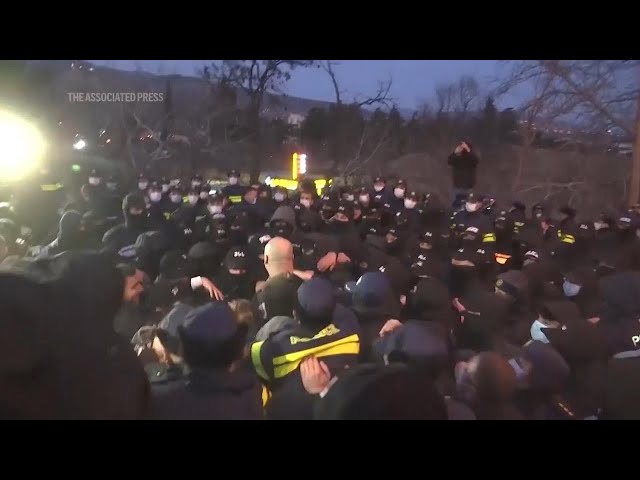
208 395
83 370
463 169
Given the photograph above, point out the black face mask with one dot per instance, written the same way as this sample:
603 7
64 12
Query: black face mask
307 227
282 229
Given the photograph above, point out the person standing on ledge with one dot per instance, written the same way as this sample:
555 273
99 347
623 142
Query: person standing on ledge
464 163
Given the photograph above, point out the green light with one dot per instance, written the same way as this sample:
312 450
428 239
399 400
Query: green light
75 168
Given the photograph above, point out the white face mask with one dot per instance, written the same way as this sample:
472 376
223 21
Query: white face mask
378 188
193 199
213 209
165 187
155 196
196 183
350 198
233 180
409 203
536 332
176 198
278 197
143 185
305 202
398 192
471 207
204 195
174 182
364 199
599 225
252 201
94 181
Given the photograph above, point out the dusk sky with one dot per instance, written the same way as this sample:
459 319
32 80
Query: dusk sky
413 80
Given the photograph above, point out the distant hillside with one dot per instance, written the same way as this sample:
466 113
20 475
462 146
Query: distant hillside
188 90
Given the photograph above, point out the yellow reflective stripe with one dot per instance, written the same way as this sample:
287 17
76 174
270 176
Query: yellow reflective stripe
568 239
257 361
559 233
51 187
265 396
167 215
488 237
235 198
285 364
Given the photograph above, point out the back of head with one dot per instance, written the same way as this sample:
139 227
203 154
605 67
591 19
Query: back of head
423 345
278 256
493 377
374 392
174 265
205 258
211 337
550 371
133 200
373 297
314 303
150 247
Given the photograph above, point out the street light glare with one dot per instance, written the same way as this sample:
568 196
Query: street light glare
79 145
303 163
21 147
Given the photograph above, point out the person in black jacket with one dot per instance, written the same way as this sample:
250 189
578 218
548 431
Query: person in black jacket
121 239
234 191
464 164
70 236
215 388
234 279
84 370
154 210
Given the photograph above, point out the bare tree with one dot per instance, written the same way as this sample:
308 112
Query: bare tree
604 93
369 146
445 95
380 98
468 92
339 145
256 79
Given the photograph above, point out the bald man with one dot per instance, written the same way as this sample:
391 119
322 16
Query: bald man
278 256
275 296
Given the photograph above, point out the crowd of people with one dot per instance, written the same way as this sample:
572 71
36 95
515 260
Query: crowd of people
179 300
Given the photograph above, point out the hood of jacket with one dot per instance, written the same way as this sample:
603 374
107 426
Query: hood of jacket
286 213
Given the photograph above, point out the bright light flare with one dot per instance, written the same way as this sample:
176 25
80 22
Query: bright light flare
21 147
79 145
302 166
